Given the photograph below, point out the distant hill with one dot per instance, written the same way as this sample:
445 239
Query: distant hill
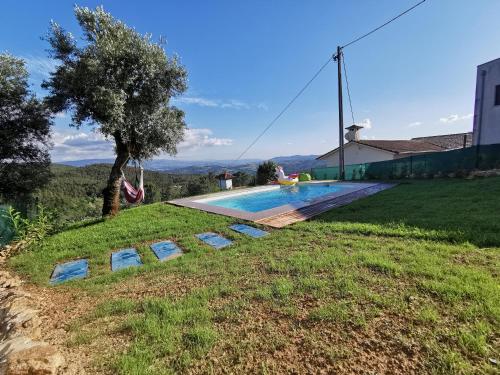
294 163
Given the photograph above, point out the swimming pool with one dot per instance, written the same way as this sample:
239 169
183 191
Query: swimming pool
262 202
275 197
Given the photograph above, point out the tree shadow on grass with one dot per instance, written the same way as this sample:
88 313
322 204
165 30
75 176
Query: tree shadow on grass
453 210
84 224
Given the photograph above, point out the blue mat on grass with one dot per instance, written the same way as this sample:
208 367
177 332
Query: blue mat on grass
214 240
125 258
77 269
249 231
166 250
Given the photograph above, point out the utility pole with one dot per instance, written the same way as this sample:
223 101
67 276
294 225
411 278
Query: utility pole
338 58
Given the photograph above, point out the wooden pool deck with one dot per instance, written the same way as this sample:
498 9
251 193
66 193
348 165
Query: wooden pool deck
301 214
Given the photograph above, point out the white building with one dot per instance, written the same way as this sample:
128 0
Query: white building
358 151
486 129
225 181
487 104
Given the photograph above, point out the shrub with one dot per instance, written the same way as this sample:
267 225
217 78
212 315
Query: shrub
30 231
266 172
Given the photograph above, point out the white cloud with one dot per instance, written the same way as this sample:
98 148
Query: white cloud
235 104
196 138
93 145
217 103
263 106
366 123
454 118
80 145
202 102
414 124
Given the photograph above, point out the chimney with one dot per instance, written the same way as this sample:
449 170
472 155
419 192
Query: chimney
353 132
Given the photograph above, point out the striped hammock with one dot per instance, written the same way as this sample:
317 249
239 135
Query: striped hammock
131 193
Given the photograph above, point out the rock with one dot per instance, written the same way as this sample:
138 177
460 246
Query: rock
19 327
37 360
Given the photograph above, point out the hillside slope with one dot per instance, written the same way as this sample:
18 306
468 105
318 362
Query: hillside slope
401 282
75 193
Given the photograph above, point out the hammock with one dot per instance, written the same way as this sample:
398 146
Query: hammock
131 193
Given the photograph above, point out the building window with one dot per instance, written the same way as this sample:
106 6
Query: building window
497 95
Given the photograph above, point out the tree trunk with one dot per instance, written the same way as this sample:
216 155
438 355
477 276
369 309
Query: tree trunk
111 192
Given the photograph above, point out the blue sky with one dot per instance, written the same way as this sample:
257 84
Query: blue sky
247 59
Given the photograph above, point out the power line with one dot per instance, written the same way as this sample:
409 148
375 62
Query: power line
285 108
383 25
348 89
319 71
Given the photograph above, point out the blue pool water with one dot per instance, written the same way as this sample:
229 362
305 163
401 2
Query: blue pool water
265 200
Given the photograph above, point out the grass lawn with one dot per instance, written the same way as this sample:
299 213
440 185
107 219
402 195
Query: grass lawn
405 281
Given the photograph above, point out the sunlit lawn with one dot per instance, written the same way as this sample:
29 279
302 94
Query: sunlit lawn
406 279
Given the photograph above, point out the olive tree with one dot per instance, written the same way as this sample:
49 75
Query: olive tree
24 134
120 82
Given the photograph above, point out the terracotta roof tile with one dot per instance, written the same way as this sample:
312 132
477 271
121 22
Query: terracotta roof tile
402 146
448 141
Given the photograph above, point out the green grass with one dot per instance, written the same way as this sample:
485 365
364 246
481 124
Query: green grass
451 210
414 269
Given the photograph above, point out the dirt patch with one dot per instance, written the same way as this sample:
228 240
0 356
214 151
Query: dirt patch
262 340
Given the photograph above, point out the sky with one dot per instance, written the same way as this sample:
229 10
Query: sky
247 59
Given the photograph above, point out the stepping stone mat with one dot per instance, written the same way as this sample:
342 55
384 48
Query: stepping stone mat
249 231
214 240
77 269
166 250
125 258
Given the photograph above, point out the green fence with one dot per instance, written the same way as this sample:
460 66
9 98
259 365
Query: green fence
434 164
6 232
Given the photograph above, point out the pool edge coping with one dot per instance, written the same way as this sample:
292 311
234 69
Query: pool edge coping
194 202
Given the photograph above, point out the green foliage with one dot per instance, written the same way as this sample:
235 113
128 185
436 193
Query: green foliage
202 185
304 177
266 172
6 230
243 179
24 133
76 192
120 80
30 231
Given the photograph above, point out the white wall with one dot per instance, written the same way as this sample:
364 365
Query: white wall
226 184
489 130
354 153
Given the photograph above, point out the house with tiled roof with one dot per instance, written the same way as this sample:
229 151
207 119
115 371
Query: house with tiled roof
357 150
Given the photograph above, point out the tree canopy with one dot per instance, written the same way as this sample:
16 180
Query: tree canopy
24 133
121 82
266 172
